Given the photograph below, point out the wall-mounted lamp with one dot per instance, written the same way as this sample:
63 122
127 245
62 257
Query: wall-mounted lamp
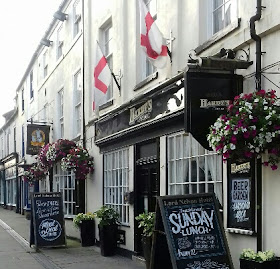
46 42
60 16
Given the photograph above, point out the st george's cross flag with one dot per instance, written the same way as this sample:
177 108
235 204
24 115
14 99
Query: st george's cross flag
102 79
152 40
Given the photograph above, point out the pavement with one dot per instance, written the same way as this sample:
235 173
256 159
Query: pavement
71 257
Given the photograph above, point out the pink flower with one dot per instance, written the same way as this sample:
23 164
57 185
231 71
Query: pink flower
265 163
254 133
220 146
274 167
226 155
274 151
240 123
246 135
248 154
233 139
261 93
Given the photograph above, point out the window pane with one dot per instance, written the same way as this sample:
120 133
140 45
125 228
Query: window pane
116 182
192 171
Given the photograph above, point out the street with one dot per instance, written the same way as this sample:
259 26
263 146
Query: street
16 253
13 255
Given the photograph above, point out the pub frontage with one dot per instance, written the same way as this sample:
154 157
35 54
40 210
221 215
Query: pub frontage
160 139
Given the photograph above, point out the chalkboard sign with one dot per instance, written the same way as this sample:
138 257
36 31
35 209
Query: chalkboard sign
191 227
241 198
47 222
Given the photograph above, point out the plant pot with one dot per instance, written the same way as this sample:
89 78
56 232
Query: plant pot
108 239
147 249
247 264
87 232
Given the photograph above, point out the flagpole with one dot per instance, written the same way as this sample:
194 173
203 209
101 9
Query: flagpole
115 79
112 73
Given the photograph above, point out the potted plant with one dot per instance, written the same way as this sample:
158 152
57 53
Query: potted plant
249 259
146 222
108 229
86 223
250 128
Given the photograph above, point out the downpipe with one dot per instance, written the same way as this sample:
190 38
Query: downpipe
258 168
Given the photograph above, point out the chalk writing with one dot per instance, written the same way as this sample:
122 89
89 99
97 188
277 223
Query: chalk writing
190 221
240 199
49 229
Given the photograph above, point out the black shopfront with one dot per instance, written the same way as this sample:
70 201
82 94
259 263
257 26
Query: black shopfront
189 102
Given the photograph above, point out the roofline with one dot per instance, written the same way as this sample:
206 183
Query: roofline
40 46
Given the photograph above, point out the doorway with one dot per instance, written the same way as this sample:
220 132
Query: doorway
146 183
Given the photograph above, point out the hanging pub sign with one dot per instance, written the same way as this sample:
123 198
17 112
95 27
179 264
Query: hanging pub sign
189 234
37 137
47 228
241 198
207 97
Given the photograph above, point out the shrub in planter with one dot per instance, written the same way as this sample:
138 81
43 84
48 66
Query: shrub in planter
146 222
249 259
86 223
108 229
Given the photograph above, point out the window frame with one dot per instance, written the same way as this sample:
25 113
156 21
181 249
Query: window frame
182 153
77 83
59 42
45 64
59 177
77 18
116 182
31 78
147 67
22 100
108 53
61 111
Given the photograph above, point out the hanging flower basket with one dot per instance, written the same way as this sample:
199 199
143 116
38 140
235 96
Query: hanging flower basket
250 128
34 173
54 152
79 160
68 153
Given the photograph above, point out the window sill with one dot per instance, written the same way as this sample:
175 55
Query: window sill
109 103
146 81
218 36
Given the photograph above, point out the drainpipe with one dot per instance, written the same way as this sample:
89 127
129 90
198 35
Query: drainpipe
258 43
258 87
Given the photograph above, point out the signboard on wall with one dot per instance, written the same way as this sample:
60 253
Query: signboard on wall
189 234
207 96
47 222
37 137
241 198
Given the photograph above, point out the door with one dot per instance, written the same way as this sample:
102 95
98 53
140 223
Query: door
146 184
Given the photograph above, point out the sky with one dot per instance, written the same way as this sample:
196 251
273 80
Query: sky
23 24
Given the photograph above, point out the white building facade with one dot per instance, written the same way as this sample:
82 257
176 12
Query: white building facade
139 140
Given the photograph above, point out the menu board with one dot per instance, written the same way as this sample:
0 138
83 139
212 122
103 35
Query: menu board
193 231
47 223
241 199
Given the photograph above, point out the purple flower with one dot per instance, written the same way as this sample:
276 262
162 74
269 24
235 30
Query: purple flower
265 163
248 154
254 133
274 151
274 167
246 135
233 139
